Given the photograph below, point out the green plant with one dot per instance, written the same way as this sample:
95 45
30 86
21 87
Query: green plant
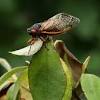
53 74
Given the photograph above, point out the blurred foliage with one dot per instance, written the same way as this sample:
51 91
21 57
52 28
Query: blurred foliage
17 15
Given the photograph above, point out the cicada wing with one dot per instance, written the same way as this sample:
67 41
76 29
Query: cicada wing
48 25
59 23
54 27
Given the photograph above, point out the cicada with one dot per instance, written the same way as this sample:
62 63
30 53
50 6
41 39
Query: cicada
58 24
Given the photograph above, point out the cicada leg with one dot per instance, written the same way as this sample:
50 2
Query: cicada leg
42 38
45 38
31 41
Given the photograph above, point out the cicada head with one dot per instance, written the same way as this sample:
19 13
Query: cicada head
34 29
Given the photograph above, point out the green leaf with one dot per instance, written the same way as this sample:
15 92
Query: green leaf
85 64
69 85
13 91
5 64
25 92
91 86
71 61
8 74
20 88
47 79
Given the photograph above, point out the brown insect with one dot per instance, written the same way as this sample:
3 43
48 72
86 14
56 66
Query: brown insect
55 25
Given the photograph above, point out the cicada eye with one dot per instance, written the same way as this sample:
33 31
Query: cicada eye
36 26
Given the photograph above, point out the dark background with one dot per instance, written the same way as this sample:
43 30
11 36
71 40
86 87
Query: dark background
17 15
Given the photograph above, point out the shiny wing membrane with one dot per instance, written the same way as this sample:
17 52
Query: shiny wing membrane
58 24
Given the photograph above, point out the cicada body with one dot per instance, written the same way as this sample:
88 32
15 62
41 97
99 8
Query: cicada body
55 25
